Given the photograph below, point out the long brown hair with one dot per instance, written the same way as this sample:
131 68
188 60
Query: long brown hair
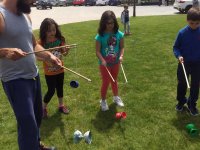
46 23
106 16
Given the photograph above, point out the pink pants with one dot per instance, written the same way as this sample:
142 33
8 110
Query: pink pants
106 79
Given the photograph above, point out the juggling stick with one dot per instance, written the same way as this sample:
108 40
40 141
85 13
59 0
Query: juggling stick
124 73
51 49
77 74
110 74
185 76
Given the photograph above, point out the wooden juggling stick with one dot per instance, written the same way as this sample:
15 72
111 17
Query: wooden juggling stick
110 74
185 76
51 49
124 73
77 74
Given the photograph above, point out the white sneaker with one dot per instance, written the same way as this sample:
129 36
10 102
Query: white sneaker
118 101
104 106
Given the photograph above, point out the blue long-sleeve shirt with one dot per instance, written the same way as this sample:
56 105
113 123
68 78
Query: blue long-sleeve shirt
187 44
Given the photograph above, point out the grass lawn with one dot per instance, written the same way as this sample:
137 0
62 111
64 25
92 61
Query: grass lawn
152 122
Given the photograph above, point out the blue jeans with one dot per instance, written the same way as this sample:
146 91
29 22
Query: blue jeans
25 98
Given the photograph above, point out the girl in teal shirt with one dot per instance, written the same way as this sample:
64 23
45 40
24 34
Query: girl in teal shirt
110 51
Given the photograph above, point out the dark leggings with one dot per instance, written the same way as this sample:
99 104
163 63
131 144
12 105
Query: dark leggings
54 82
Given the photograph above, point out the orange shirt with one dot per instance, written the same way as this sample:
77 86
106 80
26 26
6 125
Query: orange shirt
49 69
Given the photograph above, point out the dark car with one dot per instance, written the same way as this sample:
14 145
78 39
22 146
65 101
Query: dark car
114 2
43 4
69 2
90 2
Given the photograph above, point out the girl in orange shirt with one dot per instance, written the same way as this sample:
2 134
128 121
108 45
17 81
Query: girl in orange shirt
50 36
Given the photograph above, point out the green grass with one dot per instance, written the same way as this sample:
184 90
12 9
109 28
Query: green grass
152 122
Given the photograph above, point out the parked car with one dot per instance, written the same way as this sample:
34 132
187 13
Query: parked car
54 2
114 2
78 2
43 4
69 2
102 2
183 5
90 2
62 3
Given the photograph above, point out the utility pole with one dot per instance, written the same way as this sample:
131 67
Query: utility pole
134 8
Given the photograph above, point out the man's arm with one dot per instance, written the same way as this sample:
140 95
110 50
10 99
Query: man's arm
2 23
9 53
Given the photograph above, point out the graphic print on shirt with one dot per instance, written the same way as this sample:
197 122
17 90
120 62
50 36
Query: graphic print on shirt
53 68
49 67
111 55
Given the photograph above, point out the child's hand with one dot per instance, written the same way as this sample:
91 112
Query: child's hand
180 59
103 62
65 51
121 59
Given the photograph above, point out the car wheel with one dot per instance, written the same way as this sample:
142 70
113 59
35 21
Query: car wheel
187 8
181 11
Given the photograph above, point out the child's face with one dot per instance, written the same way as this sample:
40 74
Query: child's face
51 31
110 25
193 24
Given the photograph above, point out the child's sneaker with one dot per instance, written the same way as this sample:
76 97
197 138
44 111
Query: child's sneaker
45 113
118 101
193 110
63 109
179 106
104 106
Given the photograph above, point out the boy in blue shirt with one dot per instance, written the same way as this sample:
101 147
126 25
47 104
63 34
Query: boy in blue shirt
187 50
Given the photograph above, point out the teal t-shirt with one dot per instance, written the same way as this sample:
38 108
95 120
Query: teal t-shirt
110 46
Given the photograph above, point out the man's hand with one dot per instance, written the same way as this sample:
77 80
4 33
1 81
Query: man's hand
12 53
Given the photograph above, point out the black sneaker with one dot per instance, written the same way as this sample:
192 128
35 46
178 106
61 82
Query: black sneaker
179 106
43 147
193 110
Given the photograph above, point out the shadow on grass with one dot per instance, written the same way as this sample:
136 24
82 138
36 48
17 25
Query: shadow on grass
104 121
183 118
51 123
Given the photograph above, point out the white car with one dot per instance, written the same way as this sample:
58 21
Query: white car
183 5
102 2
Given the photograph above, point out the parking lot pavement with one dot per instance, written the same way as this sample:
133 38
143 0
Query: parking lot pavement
70 14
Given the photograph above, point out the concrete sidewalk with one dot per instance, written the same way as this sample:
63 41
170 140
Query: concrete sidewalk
70 14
